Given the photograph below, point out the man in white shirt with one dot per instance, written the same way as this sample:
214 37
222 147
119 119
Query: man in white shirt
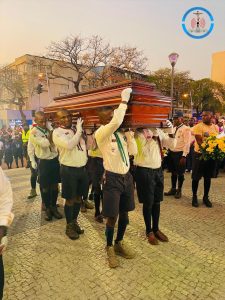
118 189
177 155
149 177
6 218
48 165
73 159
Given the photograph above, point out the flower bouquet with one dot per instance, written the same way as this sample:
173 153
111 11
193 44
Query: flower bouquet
213 148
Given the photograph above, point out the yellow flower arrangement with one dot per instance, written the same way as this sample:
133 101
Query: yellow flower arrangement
213 148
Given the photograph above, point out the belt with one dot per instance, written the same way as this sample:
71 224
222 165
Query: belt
72 167
157 169
117 174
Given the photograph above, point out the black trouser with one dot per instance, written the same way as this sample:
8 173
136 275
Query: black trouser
17 157
97 174
33 177
1 277
190 158
150 185
176 169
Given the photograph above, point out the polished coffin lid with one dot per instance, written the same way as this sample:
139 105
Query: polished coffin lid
146 108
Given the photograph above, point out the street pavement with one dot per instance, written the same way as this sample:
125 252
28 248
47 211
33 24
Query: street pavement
42 263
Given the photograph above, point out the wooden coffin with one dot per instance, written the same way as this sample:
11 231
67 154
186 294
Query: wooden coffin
147 107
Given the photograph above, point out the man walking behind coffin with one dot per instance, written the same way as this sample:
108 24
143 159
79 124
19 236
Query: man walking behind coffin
149 177
177 155
118 189
73 159
202 168
48 166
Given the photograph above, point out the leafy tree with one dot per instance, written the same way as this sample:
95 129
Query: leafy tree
207 95
162 79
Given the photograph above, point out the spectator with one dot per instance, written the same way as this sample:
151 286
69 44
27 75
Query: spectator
8 153
17 147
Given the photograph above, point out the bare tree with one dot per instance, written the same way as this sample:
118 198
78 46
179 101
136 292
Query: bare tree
78 55
12 84
93 60
129 58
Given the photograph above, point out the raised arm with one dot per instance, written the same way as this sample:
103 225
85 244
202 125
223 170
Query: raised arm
60 140
105 131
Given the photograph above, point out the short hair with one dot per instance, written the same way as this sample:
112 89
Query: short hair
105 108
61 110
39 114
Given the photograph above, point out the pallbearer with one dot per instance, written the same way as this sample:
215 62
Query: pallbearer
48 166
73 158
118 190
149 177
96 173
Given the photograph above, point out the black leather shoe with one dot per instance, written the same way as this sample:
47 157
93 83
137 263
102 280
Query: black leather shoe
195 201
207 202
48 214
178 194
77 228
171 192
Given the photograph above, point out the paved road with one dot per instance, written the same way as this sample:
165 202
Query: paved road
42 263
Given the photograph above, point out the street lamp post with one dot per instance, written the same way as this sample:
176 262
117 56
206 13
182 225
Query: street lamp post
191 100
173 57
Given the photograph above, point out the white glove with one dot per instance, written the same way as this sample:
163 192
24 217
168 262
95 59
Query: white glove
129 135
125 95
34 164
79 124
169 127
49 126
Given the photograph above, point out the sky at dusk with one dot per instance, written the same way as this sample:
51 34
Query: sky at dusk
154 26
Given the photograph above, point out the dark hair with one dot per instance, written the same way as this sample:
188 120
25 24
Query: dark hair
105 108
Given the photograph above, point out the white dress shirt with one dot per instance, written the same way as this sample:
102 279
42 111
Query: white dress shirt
106 141
6 200
149 152
71 147
183 137
42 147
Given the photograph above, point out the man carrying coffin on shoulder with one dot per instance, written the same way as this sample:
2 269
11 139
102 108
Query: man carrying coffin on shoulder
118 189
73 159
149 177
48 166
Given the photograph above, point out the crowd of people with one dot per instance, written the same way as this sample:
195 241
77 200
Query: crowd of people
13 145
114 161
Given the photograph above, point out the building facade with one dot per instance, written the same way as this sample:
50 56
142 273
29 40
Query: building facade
32 72
43 79
218 67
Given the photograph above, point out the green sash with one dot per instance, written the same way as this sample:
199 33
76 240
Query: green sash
120 146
